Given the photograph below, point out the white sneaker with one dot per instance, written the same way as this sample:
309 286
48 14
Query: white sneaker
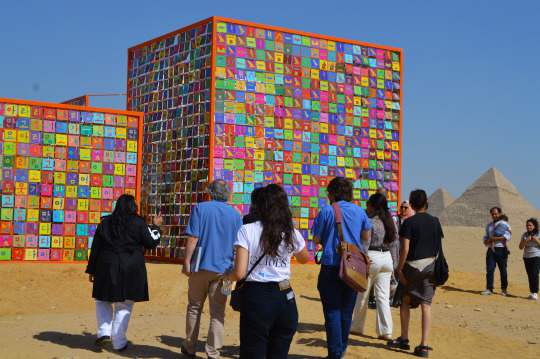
504 293
487 292
533 296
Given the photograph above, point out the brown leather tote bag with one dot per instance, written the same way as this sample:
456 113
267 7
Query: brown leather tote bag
354 263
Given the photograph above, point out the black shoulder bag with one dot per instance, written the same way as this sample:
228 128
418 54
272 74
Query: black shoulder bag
236 294
441 267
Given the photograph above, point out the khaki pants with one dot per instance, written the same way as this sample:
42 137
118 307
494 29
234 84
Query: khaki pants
202 284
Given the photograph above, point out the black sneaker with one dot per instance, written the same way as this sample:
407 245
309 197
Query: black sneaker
372 305
101 341
186 353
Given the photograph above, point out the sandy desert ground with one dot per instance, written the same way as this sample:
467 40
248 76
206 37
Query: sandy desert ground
46 311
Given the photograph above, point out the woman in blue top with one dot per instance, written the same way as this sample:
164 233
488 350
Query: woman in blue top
337 297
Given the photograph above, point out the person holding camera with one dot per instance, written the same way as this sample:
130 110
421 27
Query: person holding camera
530 244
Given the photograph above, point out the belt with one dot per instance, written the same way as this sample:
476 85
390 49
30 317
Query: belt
499 248
379 249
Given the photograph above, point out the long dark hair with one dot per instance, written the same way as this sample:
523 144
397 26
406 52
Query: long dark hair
380 209
122 215
254 198
276 218
535 224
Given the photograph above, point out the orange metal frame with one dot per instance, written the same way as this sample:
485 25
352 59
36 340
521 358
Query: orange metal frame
70 102
139 116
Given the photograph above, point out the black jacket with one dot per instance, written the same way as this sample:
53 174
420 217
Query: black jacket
118 263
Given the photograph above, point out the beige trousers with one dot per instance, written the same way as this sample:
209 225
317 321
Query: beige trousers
202 284
380 275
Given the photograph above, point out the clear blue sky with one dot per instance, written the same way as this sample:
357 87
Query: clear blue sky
471 78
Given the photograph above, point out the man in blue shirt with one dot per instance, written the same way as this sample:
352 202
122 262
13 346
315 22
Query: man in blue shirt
212 230
337 298
498 256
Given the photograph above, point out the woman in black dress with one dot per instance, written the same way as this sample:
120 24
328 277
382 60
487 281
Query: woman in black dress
117 269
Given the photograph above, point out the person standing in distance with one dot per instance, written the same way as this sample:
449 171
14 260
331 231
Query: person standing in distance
498 257
212 226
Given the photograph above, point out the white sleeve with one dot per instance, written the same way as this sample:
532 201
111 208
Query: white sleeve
242 238
300 243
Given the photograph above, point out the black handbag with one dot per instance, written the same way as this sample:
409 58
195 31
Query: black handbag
441 267
236 294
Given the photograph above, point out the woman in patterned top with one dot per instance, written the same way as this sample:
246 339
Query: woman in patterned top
382 248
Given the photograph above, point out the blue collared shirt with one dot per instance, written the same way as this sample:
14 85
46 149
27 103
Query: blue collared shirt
216 224
355 220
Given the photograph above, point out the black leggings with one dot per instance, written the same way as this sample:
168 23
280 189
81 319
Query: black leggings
532 266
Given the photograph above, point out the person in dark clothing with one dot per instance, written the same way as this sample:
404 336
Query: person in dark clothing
117 270
253 215
421 237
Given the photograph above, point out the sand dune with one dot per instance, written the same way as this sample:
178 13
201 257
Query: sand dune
46 312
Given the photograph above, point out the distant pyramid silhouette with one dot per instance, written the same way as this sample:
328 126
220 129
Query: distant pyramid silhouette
438 201
492 189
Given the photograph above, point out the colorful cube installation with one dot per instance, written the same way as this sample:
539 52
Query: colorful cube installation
255 104
61 169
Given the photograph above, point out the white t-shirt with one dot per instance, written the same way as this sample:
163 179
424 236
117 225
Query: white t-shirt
269 269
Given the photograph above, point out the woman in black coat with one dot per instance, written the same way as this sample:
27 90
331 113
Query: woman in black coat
116 267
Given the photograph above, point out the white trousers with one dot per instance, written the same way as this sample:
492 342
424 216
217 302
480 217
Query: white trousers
114 326
380 275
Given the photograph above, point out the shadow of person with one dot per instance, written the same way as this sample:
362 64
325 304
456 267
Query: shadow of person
310 298
456 289
85 341
310 328
354 339
228 351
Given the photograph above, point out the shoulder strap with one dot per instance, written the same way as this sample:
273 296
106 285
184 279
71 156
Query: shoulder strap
339 219
256 264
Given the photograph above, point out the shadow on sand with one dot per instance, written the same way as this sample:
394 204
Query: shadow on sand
85 341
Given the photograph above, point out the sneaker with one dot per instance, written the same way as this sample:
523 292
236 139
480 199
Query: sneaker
186 353
504 293
386 337
533 296
101 341
491 250
372 305
487 292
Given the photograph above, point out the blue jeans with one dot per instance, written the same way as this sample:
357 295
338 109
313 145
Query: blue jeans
268 321
338 300
496 258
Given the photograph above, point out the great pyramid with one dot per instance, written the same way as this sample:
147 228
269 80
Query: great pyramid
492 189
438 201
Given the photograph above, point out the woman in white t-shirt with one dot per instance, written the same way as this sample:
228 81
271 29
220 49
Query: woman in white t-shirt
269 316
